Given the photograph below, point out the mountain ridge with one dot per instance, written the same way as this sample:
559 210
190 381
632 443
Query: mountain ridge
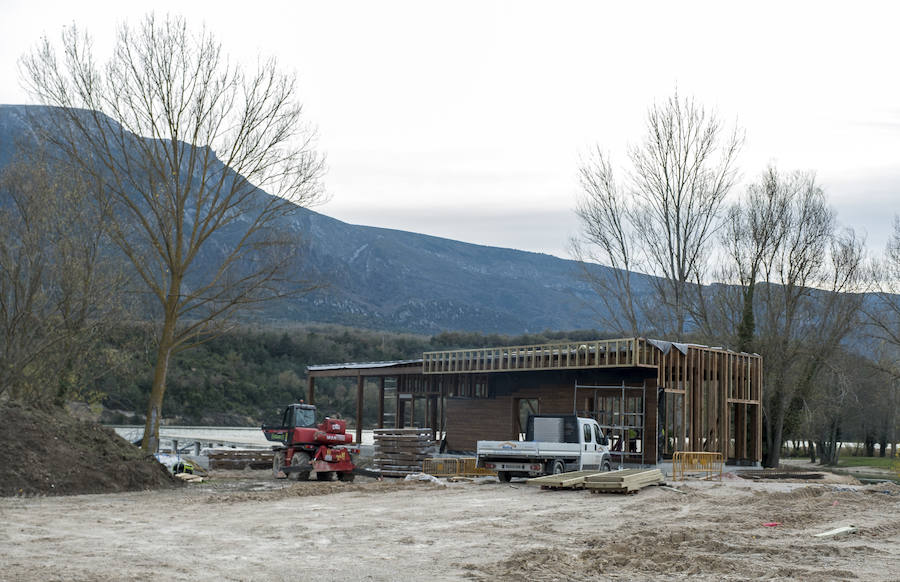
397 280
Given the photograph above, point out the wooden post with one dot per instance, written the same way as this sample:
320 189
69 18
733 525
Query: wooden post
433 403
360 384
650 432
398 421
381 402
311 390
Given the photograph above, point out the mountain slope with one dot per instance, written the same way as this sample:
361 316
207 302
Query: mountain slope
406 281
390 279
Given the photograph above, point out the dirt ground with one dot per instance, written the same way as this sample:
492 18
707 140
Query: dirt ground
245 526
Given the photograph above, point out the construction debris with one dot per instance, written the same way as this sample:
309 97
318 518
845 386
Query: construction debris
667 488
780 474
424 477
190 478
400 451
840 531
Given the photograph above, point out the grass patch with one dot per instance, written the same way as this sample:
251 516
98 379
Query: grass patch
880 462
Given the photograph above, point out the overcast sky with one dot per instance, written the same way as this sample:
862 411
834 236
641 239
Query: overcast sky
467 119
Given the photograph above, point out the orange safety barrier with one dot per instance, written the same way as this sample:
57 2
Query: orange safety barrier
696 462
454 466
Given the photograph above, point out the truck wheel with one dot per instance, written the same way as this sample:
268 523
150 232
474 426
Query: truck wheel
504 476
605 466
278 464
556 467
301 460
346 476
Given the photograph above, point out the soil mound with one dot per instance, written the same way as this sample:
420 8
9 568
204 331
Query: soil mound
47 452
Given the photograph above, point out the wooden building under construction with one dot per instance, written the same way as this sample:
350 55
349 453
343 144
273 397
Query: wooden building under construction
652 397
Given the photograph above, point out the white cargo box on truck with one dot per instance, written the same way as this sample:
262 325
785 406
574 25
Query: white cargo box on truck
554 444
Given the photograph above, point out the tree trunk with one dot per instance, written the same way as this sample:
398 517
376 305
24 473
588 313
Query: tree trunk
775 435
747 326
812 451
150 443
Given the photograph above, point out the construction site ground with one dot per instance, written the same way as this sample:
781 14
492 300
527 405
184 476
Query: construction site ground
243 525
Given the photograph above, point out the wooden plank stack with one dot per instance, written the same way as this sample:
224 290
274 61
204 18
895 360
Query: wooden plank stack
625 481
400 451
570 480
240 459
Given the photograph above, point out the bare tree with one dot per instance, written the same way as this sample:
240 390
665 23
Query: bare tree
182 143
57 285
661 220
608 239
753 229
882 316
805 276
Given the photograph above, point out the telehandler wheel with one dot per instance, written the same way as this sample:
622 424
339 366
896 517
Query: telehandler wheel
278 464
606 466
301 460
504 476
325 476
346 476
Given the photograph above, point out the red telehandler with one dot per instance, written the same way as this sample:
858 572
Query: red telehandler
307 446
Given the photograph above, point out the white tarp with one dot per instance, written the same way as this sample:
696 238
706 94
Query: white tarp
665 346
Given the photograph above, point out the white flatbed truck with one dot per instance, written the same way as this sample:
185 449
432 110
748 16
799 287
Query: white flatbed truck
554 443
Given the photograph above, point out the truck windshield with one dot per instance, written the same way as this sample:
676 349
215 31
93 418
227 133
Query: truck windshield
304 417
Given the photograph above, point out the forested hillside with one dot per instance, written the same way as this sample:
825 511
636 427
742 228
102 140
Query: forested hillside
245 377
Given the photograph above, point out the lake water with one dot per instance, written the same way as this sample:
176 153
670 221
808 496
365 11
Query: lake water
213 436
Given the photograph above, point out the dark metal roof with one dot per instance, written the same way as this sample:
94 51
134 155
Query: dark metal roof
361 365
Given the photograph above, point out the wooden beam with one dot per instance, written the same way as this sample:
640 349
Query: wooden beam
368 372
311 390
360 384
433 406
398 406
381 402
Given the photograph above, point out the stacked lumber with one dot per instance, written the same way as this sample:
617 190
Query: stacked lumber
400 451
189 478
240 458
570 480
625 481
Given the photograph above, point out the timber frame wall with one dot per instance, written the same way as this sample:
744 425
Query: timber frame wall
695 398
712 402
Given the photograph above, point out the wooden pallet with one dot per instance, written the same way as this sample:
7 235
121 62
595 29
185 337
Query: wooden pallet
401 451
240 459
625 481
